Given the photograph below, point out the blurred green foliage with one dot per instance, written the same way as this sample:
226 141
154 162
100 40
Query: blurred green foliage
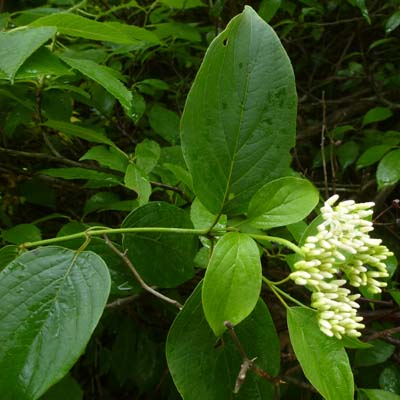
107 91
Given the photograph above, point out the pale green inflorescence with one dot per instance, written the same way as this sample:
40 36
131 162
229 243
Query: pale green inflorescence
341 252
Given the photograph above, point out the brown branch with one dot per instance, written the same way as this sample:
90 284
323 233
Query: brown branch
170 187
323 130
39 113
72 163
142 283
248 364
47 157
122 301
383 334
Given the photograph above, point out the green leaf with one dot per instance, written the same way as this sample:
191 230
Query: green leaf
339 132
380 42
41 62
105 77
135 180
232 282
388 172
297 230
165 123
377 354
396 295
57 105
389 379
354 343
162 259
363 8
22 233
98 201
391 137
141 37
77 26
203 219
81 173
152 86
123 205
372 155
282 202
107 157
138 106
147 154
376 114
203 369
268 9
377 394
239 119
177 30
393 22
16 46
51 299
26 103
67 389
183 4
347 153
79 131
181 174
323 359
8 254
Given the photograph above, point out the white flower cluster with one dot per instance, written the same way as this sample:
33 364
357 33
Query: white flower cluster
341 248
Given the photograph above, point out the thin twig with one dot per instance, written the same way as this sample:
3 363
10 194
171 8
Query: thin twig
72 163
142 283
383 334
323 130
122 301
376 301
48 157
248 364
46 138
170 187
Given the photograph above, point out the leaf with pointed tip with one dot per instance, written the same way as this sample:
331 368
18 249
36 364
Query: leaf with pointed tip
282 202
78 26
16 46
82 132
105 77
239 119
232 282
135 180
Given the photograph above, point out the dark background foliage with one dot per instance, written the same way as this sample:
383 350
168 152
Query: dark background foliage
346 59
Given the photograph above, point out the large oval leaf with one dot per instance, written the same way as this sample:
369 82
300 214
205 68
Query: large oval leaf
51 299
202 369
240 115
281 202
323 359
162 259
232 282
